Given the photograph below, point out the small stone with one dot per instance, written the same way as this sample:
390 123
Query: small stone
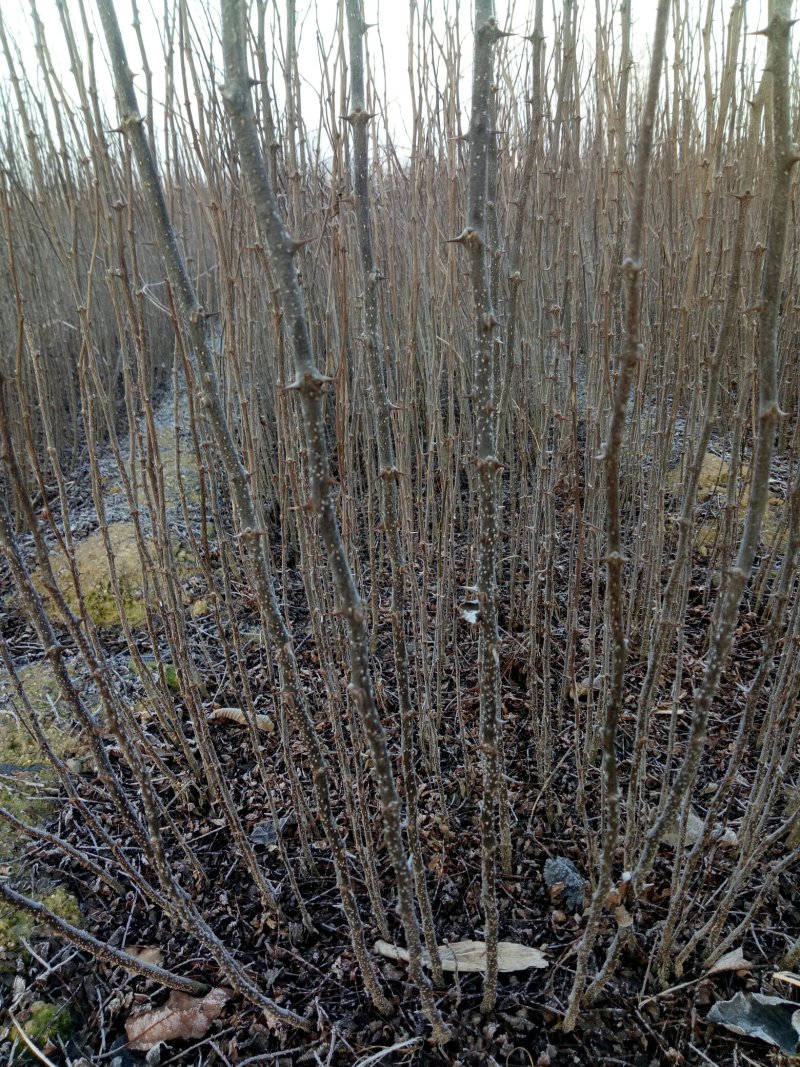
562 873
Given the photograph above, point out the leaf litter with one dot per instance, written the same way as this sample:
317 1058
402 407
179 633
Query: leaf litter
182 1018
464 956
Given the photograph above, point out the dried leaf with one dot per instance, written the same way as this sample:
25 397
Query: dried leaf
623 916
266 833
180 1019
771 1019
725 838
464 956
666 709
146 954
619 892
731 961
263 722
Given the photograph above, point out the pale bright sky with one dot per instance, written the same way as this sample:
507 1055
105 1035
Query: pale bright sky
317 22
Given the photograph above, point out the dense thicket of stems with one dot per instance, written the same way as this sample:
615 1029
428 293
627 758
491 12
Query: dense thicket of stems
540 478
475 239
631 354
308 383
389 475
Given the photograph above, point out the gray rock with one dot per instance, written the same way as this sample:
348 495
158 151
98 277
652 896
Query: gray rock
561 871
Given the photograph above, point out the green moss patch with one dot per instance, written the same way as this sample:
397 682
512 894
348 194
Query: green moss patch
26 779
45 1022
94 573
17 926
170 672
94 576
712 489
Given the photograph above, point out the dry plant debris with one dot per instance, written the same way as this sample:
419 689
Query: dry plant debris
465 957
182 1018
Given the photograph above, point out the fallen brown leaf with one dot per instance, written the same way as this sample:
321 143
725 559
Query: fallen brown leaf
180 1019
263 722
770 1019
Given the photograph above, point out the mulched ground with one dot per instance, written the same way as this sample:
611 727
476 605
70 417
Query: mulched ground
315 974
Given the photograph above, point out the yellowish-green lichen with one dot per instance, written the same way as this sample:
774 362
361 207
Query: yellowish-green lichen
94 573
199 608
15 926
94 576
64 905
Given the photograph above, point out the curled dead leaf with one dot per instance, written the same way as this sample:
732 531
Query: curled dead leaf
613 899
731 961
724 837
180 1019
263 722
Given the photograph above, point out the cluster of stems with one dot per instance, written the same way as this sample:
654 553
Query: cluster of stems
367 416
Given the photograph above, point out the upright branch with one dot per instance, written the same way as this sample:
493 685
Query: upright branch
520 207
193 320
666 621
631 354
785 156
309 383
387 465
474 240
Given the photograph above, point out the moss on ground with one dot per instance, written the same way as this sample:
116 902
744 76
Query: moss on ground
712 489
91 562
45 1022
26 780
94 575
170 672
18 926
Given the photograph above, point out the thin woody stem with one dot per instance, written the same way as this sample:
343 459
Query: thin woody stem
309 383
116 957
631 269
389 474
474 238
